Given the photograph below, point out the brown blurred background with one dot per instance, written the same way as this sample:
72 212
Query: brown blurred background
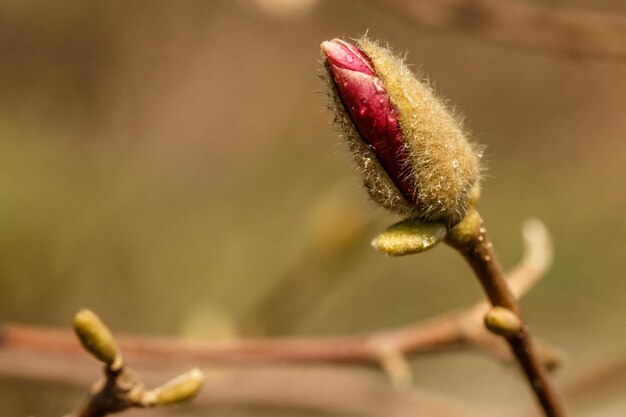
172 166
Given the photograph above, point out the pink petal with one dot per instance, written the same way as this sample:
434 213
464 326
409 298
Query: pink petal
375 118
344 55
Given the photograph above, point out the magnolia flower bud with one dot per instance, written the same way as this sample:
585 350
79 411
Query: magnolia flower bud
412 151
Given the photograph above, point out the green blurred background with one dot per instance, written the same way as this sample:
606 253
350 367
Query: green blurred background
172 166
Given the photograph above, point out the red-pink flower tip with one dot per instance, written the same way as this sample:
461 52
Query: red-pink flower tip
365 99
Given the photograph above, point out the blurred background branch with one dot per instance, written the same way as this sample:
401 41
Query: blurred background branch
573 32
463 329
354 391
322 389
459 330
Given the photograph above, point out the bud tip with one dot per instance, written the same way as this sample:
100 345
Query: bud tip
182 388
95 336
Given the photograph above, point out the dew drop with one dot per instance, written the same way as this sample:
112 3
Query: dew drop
378 86
455 163
362 111
349 58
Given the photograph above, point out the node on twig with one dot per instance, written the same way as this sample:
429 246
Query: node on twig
121 388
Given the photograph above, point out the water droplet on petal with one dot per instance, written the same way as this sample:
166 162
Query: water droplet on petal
349 58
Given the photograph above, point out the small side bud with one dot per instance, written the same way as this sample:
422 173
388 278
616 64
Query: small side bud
502 322
409 236
182 388
95 336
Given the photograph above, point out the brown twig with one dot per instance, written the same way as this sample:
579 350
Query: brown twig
470 239
576 33
462 329
120 388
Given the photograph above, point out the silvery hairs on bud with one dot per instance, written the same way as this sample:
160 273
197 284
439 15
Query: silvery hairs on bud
385 112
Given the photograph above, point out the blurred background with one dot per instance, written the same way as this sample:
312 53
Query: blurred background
172 166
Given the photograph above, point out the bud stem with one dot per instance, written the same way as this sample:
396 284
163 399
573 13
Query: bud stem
470 239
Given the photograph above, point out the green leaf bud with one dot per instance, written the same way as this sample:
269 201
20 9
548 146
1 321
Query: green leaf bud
95 336
502 321
409 236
